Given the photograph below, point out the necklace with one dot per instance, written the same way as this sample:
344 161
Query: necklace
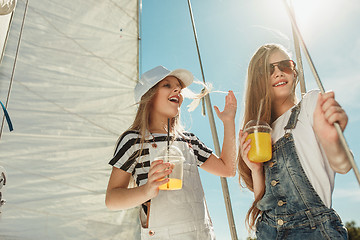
154 145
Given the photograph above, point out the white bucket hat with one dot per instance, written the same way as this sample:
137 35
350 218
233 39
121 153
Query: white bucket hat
155 75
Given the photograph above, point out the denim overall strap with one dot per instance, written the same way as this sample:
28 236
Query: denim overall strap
293 118
277 179
291 208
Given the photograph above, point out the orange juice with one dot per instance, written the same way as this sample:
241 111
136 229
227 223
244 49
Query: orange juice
173 155
260 150
173 184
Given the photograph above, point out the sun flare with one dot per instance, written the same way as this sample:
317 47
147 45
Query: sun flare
320 15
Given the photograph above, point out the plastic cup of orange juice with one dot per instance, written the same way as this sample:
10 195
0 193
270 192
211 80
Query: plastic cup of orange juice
174 156
260 135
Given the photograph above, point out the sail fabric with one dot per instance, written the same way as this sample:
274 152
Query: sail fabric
71 98
4 27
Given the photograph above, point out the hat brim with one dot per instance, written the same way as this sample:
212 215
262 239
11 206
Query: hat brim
185 76
155 75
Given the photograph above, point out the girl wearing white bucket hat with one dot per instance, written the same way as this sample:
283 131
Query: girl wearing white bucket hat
179 214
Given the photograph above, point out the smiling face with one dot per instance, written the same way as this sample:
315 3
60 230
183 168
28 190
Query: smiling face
281 80
168 99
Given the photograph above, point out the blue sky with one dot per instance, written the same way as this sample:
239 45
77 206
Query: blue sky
229 32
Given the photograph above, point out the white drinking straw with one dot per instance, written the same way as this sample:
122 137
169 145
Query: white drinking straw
259 112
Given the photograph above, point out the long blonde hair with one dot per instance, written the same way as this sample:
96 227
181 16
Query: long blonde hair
258 88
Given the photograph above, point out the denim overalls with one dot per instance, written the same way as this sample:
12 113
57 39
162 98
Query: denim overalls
291 208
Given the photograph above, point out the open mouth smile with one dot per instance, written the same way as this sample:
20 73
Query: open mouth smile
174 99
281 83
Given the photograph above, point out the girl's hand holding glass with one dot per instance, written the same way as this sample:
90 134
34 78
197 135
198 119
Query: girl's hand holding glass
244 151
156 177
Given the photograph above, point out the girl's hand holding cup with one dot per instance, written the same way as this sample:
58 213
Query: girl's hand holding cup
260 134
156 177
245 146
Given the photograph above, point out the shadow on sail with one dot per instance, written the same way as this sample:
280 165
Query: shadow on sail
71 97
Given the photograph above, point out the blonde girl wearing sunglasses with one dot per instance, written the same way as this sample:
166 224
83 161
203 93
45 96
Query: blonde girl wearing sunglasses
293 190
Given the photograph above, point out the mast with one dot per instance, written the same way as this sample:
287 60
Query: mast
139 63
224 183
298 58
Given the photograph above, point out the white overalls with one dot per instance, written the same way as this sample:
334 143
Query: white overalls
180 214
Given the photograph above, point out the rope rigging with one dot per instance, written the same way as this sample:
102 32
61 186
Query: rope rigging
321 87
6 115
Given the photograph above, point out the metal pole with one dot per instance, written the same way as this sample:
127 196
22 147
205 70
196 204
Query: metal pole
317 78
224 184
139 60
298 59
13 70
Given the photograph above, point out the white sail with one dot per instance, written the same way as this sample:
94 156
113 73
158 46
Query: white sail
6 10
71 97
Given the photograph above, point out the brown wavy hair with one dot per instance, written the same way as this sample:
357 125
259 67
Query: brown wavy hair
258 87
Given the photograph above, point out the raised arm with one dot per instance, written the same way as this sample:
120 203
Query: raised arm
225 165
119 196
327 112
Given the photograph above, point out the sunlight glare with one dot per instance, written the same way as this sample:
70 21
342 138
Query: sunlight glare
317 15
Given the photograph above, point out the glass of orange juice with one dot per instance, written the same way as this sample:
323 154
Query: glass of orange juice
260 135
174 156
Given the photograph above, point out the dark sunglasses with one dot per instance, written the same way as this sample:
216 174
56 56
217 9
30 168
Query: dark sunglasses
286 66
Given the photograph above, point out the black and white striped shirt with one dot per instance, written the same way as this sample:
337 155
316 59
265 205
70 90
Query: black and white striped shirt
128 148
